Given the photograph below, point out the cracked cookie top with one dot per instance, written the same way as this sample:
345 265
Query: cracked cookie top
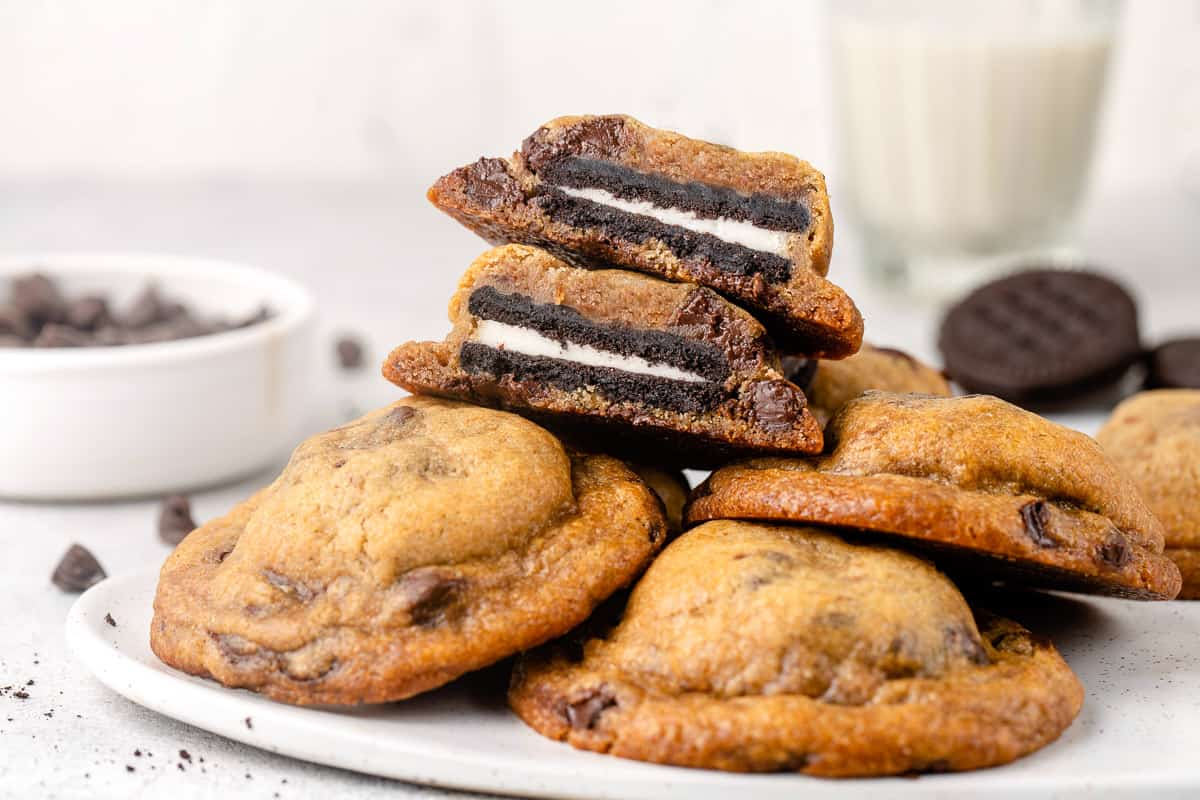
394 553
766 647
988 487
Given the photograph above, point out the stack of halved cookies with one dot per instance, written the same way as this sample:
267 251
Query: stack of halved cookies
804 620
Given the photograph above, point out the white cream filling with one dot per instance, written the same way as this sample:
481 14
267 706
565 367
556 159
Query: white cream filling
514 339
734 231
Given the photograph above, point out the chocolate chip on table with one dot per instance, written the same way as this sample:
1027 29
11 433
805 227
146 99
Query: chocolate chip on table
175 519
350 352
1174 365
109 619
77 570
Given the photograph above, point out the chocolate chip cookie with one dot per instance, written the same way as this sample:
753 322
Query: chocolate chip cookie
991 490
752 647
1155 437
393 554
829 385
608 190
619 362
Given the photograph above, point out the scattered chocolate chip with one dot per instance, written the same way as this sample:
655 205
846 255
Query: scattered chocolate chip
249 724
175 519
430 594
1036 517
129 768
109 619
350 353
21 694
185 755
582 714
77 570
1116 551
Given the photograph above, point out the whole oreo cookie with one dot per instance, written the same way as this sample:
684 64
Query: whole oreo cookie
1041 335
1174 365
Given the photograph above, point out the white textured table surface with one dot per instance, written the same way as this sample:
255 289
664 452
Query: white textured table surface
382 264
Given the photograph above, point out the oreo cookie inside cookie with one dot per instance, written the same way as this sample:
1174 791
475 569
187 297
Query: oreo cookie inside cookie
1041 336
555 344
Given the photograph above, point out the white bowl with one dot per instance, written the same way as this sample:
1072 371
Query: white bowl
107 422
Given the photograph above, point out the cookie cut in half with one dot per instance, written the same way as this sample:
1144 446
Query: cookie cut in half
829 385
992 490
1155 437
393 554
608 190
657 372
758 648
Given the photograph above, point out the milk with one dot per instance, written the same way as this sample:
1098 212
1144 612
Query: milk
966 138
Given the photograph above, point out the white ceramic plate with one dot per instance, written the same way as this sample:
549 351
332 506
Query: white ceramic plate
1138 735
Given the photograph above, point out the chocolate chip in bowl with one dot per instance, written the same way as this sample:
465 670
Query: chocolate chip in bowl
131 374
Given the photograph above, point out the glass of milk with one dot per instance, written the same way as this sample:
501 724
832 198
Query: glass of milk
966 130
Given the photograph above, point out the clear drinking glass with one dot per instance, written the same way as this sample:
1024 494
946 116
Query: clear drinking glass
966 130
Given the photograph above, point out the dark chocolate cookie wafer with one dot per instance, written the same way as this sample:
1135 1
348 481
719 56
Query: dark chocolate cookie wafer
1174 365
1041 336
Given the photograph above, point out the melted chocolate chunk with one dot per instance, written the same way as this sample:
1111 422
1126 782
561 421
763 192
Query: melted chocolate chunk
78 570
489 183
702 199
614 384
290 587
431 594
961 640
582 714
776 404
598 137
1036 517
686 245
1115 551
565 324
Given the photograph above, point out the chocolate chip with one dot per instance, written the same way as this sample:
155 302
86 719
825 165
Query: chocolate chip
56 335
185 755
582 714
147 308
489 183
77 570
87 313
961 640
290 587
109 619
1116 550
249 723
38 298
349 353
14 322
1036 517
429 593
776 404
175 519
